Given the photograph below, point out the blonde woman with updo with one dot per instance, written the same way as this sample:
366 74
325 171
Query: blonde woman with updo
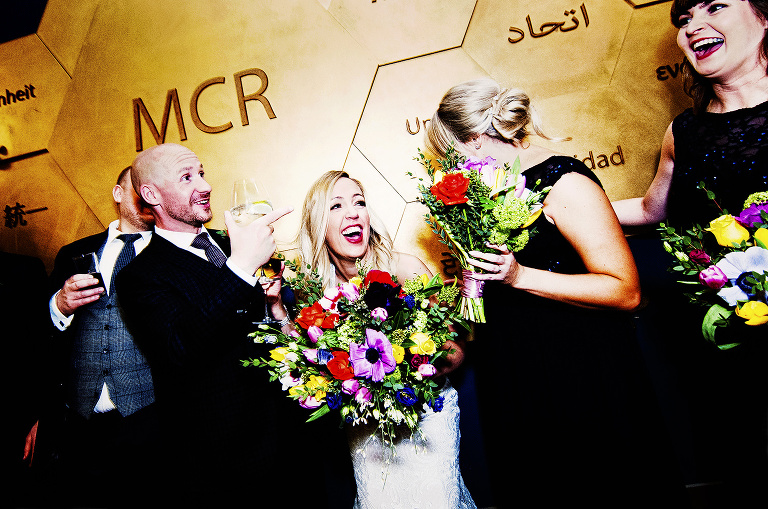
567 410
337 229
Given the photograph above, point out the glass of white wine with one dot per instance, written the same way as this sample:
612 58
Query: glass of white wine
250 202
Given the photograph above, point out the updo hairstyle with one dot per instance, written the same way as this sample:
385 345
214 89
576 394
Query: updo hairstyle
481 107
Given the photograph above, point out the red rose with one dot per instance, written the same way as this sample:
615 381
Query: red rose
451 189
378 276
417 360
316 315
340 367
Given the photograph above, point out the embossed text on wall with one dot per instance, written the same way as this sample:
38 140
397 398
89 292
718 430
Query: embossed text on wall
172 100
548 27
28 92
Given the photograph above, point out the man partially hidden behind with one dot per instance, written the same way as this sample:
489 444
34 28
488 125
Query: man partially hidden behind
110 438
237 440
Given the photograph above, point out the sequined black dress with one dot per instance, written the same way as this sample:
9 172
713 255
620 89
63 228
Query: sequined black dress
728 390
726 151
567 409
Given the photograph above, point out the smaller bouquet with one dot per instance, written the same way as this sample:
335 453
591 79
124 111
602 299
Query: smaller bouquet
474 202
366 348
727 264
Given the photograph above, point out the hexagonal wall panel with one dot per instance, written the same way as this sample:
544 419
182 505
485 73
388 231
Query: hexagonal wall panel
64 27
404 95
399 29
42 210
33 86
303 82
550 47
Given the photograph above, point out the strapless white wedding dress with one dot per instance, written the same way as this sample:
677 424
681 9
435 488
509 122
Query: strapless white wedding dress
424 470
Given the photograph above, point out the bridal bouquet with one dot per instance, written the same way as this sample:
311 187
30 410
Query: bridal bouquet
366 348
473 202
726 263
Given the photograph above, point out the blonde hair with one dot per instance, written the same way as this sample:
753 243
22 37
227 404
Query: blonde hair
481 107
313 250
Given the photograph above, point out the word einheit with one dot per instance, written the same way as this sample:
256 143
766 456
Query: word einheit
550 26
20 95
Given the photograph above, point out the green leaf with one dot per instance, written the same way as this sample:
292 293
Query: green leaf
714 318
319 413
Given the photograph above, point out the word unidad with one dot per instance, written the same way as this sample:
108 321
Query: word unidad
19 95
594 162
172 100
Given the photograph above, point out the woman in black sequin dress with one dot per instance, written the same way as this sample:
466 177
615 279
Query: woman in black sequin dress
566 407
723 142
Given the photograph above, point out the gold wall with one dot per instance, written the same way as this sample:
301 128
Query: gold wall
287 89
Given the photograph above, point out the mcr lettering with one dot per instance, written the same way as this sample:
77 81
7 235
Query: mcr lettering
172 100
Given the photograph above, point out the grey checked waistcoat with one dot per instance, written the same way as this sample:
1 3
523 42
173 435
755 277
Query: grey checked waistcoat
104 351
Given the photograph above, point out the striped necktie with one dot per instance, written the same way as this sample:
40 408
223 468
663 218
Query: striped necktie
212 252
127 254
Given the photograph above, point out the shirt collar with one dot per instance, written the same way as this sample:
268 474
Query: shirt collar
181 239
113 232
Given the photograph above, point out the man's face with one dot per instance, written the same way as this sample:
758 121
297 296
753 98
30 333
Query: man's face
184 192
132 209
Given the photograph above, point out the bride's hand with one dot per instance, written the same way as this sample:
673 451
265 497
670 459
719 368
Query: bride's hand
501 266
273 295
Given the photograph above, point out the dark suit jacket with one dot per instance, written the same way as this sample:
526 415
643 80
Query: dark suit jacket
64 267
228 422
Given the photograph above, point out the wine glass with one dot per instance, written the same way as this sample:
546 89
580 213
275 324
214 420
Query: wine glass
250 202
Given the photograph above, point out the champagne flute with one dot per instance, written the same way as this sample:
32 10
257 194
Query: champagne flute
250 202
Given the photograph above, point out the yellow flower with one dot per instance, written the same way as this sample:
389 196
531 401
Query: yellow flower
437 177
761 236
357 281
424 344
279 354
755 313
728 231
534 216
315 383
424 279
398 352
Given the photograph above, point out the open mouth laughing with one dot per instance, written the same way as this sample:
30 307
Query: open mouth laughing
353 233
705 47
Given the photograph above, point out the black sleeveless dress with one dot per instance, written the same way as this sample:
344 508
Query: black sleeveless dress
568 413
728 390
726 151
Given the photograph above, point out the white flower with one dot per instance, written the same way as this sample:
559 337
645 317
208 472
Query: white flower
289 381
733 265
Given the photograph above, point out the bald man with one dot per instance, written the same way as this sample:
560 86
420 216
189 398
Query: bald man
188 298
